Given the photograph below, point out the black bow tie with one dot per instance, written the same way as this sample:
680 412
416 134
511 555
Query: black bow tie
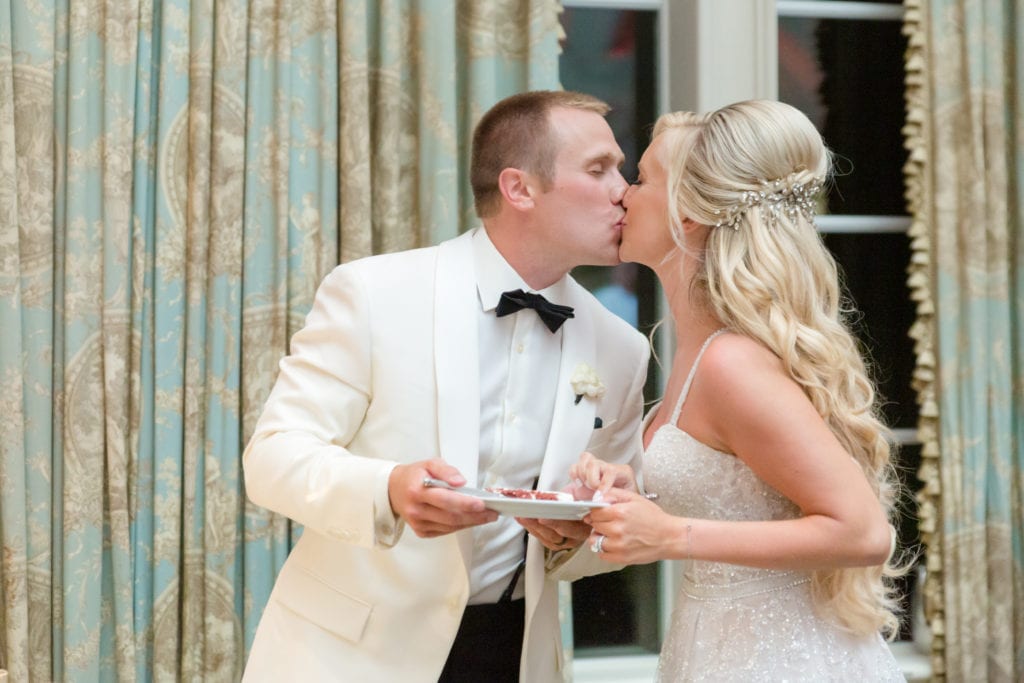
552 315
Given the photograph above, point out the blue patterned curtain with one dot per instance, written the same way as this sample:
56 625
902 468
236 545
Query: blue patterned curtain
966 192
175 179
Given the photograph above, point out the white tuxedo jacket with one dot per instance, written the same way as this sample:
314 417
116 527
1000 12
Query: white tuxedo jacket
386 370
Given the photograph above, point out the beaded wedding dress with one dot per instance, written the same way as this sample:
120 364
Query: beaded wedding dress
735 623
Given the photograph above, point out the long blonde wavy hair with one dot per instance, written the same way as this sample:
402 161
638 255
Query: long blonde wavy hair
770 277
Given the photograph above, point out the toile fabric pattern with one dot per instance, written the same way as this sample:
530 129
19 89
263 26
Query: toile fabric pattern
967 276
743 624
175 179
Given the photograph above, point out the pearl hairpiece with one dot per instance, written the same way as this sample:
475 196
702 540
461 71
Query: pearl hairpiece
777 198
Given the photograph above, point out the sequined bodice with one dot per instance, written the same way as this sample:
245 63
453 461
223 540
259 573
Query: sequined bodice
694 480
678 467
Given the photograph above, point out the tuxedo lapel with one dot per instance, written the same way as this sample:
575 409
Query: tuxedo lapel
457 365
571 426
456 360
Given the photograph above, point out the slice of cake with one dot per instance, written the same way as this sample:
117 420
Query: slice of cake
530 494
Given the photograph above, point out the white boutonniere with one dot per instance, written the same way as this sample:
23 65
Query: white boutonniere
585 382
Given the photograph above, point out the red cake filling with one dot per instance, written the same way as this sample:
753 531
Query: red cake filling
529 494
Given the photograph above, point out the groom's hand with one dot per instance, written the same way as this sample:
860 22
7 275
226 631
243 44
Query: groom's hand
557 534
431 511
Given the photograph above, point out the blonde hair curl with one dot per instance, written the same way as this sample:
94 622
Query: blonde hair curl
777 283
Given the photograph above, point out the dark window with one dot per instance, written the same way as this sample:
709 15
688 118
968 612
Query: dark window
847 76
611 54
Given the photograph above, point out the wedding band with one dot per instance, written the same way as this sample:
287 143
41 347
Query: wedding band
597 547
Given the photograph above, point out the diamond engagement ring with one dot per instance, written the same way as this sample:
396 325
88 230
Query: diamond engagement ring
597 547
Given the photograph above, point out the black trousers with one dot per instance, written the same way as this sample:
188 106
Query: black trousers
488 645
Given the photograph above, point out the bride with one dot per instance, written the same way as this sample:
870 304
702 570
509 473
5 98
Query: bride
770 466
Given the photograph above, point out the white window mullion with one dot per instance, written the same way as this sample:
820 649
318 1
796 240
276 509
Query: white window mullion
721 51
905 437
831 223
615 4
836 9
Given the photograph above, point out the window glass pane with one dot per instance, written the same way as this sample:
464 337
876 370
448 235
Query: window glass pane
847 76
874 270
611 54
617 612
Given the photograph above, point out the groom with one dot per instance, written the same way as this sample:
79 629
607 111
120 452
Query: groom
442 362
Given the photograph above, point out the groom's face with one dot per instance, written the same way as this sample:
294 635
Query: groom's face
581 211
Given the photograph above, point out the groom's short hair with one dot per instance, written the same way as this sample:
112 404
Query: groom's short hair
516 133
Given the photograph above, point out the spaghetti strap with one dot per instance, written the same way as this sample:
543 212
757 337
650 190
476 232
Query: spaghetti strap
689 378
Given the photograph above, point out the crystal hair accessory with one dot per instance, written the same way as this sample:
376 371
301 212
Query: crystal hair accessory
777 198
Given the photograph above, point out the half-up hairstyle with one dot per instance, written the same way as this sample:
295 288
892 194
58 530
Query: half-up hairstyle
750 171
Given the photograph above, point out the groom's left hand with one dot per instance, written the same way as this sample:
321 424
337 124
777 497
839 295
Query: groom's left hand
557 534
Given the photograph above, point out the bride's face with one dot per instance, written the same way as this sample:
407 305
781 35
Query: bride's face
646 237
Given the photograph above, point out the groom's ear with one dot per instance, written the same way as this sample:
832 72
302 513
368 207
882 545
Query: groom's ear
517 187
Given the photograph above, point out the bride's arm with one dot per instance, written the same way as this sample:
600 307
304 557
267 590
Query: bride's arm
743 402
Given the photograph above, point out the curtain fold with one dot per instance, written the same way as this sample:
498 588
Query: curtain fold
175 179
964 189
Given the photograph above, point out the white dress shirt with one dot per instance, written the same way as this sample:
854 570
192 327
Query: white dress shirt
519 364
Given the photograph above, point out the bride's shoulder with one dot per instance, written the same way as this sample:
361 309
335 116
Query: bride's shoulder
735 370
737 354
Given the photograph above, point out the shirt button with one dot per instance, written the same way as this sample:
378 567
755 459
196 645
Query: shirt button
512 417
519 348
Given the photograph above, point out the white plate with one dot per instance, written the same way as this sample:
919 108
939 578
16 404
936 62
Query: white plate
523 507
541 509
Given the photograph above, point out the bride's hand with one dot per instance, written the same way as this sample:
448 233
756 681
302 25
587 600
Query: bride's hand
594 477
633 529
